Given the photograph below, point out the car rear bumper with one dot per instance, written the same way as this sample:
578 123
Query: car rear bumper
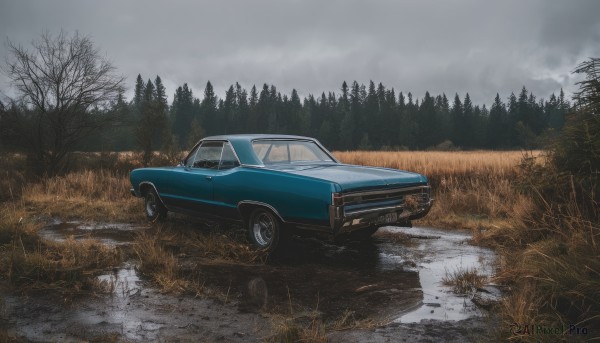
344 218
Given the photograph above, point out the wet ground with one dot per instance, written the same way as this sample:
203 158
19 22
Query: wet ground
394 284
111 234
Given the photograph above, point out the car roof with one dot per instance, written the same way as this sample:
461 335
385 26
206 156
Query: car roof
251 137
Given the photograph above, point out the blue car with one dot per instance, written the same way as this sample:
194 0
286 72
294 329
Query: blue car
279 184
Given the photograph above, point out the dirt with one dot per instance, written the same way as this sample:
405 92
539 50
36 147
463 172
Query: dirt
144 316
394 286
469 330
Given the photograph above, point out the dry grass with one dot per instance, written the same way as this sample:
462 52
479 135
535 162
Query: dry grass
464 281
88 195
471 189
160 265
30 262
289 331
170 254
441 165
556 279
310 326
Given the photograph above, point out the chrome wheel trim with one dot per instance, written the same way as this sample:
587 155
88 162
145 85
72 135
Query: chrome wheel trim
151 205
263 228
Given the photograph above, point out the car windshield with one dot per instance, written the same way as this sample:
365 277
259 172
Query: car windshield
289 151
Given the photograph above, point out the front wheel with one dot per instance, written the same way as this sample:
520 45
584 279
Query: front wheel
264 229
153 207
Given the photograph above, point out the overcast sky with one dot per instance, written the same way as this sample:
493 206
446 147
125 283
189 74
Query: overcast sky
480 47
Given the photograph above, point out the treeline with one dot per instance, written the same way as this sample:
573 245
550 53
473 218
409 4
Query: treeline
357 117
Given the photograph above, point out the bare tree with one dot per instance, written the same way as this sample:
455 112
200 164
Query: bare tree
64 86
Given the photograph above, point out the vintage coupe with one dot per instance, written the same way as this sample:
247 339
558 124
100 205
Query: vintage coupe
279 184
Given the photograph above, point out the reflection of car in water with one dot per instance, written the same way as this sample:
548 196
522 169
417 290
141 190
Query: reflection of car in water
278 183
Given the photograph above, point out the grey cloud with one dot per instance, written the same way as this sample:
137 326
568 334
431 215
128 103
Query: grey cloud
449 46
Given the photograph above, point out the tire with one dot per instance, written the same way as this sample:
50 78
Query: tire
153 206
264 229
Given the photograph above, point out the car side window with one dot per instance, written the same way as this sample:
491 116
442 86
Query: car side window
228 159
190 158
208 155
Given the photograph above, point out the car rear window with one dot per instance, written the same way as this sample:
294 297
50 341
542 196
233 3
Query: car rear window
289 151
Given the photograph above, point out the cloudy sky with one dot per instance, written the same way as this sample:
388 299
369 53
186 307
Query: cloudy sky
480 47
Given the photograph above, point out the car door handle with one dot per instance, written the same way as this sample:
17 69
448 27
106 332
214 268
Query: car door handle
209 178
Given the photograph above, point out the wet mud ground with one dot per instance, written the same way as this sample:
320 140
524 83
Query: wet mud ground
393 285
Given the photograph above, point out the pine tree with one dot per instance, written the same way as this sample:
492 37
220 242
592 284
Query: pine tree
138 94
442 109
252 119
479 124
409 123
370 116
162 109
229 111
121 132
182 113
161 95
263 107
388 118
468 123
272 110
196 133
295 119
151 124
243 108
498 125
427 122
209 111
350 109
556 111
457 119
523 132
357 96
513 119
341 112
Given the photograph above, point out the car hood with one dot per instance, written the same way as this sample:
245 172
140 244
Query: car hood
355 178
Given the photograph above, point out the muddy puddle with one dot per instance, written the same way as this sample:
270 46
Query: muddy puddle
440 253
132 311
381 280
316 277
111 234
385 281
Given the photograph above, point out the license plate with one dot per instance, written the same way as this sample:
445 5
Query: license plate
388 218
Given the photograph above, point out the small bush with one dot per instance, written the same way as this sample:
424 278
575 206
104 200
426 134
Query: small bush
464 281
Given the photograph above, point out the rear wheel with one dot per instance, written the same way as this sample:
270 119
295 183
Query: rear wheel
153 207
264 229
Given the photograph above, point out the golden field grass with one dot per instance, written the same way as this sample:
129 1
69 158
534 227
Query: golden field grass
441 163
472 189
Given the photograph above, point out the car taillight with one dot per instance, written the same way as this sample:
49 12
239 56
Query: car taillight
426 193
337 199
